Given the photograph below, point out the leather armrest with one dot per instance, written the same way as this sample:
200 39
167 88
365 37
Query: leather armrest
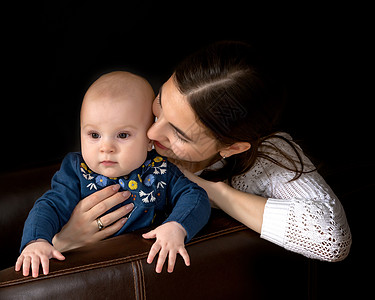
18 192
228 261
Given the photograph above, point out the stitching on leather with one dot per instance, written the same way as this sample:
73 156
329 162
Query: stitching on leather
83 268
139 293
134 280
117 261
142 277
139 278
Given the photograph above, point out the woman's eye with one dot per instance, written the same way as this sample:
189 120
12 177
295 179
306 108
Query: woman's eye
179 138
94 135
123 135
158 100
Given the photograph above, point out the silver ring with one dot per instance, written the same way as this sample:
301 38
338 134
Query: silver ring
100 224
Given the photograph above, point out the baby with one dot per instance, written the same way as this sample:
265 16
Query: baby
115 116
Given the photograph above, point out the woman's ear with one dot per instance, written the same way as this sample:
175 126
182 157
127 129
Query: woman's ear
235 148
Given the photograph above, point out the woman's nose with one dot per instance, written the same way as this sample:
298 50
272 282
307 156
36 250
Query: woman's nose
155 132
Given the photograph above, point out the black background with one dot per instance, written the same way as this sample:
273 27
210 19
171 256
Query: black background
53 51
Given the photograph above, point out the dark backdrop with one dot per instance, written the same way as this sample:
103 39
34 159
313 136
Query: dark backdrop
52 52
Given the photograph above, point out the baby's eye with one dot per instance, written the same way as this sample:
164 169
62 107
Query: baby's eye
123 135
94 135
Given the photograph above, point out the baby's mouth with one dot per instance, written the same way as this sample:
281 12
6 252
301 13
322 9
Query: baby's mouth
108 163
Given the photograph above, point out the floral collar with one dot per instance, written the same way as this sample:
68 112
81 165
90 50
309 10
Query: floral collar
146 175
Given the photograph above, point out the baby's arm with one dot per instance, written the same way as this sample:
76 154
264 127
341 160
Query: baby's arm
191 211
53 210
34 254
170 239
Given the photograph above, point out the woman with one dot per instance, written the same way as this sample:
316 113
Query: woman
215 118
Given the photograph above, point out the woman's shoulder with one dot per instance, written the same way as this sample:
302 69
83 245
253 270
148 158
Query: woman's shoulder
281 148
279 156
258 179
280 141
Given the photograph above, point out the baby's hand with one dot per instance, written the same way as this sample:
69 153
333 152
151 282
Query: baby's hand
34 254
169 241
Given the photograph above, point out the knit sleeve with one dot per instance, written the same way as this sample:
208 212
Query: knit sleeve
306 217
303 216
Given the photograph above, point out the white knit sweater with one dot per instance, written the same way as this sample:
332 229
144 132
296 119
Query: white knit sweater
303 215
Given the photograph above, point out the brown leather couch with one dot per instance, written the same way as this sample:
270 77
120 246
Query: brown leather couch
228 261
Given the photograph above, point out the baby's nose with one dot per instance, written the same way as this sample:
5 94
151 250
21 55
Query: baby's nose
107 147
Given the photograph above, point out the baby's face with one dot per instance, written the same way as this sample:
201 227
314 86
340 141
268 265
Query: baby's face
113 134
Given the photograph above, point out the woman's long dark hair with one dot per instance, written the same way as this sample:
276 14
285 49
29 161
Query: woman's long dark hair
235 99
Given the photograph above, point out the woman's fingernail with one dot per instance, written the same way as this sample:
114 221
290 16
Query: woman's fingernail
116 187
126 194
129 207
123 221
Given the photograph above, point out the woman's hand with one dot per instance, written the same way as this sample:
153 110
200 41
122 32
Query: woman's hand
208 186
82 228
170 239
244 207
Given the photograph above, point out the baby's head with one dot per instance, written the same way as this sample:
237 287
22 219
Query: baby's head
115 116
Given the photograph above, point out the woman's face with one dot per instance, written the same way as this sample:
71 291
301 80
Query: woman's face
176 133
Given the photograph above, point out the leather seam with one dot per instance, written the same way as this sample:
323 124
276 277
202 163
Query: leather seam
142 276
134 280
84 268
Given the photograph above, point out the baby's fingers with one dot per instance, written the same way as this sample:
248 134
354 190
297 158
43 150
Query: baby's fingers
185 256
57 254
26 266
45 260
149 235
153 251
173 256
19 263
45 264
171 261
161 259
35 263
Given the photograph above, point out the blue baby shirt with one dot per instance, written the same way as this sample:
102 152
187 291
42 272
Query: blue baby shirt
158 190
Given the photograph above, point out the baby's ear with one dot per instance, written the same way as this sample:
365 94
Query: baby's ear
150 145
